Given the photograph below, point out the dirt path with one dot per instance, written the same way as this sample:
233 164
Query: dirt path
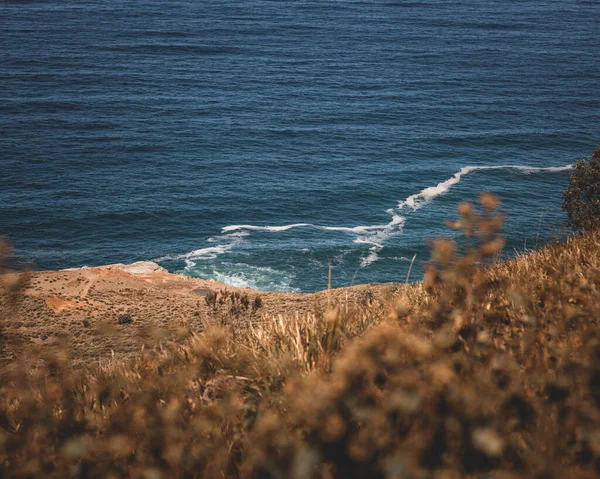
90 282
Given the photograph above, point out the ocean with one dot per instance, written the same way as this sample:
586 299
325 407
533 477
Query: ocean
258 143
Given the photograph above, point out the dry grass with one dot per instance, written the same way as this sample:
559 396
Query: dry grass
483 368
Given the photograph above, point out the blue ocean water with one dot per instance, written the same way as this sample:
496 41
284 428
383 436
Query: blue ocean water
255 142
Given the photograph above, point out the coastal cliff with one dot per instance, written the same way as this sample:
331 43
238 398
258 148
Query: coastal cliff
79 304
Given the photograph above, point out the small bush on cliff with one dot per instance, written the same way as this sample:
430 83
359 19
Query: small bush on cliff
124 319
581 201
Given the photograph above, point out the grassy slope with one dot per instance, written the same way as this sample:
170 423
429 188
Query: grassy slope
470 372
82 306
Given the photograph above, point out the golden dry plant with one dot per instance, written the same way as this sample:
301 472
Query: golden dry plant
581 200
487 369
13 280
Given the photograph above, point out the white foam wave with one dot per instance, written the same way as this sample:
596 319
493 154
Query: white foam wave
371 257
242 275
356 229
210 252
272 229
427 195
229 237
371 241
278 229
373 235
206 253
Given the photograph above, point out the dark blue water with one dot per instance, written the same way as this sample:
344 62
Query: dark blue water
154 130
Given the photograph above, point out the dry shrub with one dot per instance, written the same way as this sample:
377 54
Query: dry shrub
486 368
581 201
13 279
481 379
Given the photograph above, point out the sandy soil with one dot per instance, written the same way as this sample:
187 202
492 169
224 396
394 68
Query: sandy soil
110 311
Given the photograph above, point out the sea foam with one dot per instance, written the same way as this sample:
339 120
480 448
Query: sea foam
376 235
242 275
429 194
228 241
373 235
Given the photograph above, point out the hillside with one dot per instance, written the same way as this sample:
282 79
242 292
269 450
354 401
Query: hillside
476 370
81 306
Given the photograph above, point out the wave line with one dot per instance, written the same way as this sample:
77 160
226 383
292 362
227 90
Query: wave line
429 194
373 235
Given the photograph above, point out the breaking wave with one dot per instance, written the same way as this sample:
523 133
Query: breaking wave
229 242
242 275
375 236
429 194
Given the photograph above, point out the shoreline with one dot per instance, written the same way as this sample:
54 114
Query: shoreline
152 268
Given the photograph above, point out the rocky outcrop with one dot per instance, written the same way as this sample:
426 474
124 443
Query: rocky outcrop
140 267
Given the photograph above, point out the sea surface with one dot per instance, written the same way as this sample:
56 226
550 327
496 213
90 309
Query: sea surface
258 142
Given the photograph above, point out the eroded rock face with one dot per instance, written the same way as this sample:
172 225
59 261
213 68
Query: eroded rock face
139 267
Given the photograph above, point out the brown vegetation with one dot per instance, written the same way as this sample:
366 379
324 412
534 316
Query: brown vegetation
581 201
483 368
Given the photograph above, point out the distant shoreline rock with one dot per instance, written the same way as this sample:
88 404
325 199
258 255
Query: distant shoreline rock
139 267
